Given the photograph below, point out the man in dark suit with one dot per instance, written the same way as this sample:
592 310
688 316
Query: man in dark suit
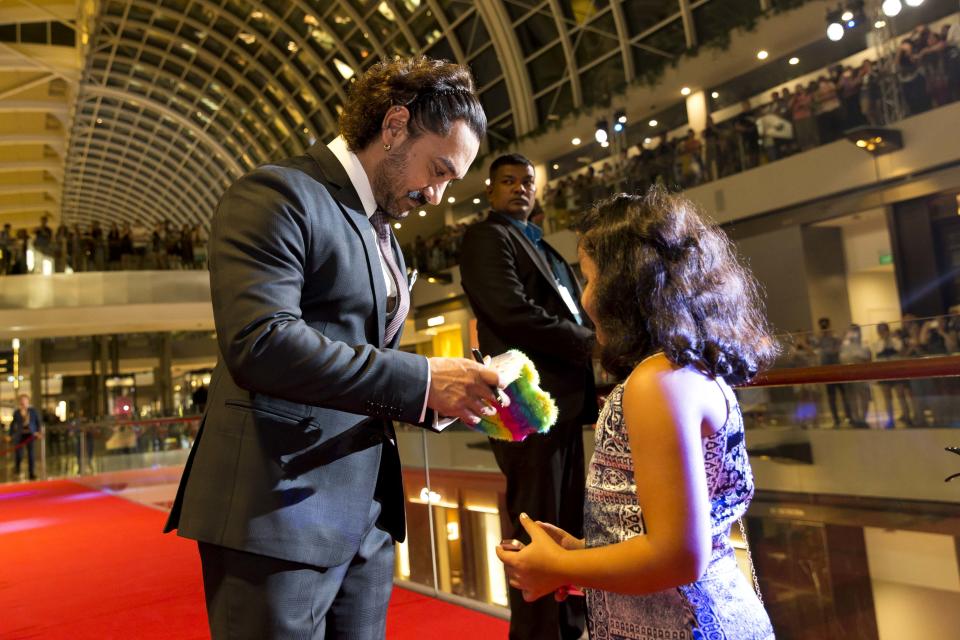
526 297
293 486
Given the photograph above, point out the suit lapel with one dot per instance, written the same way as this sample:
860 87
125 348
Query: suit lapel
538 258
333 173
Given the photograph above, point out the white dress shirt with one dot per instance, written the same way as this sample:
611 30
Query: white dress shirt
361 183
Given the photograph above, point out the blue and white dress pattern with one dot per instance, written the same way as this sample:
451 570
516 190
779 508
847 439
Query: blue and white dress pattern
721 605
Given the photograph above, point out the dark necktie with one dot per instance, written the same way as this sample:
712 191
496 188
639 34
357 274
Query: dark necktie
381 223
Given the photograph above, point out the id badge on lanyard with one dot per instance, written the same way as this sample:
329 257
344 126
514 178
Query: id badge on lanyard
569 301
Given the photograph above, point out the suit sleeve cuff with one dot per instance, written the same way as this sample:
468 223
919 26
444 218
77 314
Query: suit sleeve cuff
426 397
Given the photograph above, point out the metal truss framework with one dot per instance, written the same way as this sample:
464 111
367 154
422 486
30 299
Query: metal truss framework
179 97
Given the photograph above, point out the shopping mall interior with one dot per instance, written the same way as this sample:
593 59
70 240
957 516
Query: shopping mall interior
817 134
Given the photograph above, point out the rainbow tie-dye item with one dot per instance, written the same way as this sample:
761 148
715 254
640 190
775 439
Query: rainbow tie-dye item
531 409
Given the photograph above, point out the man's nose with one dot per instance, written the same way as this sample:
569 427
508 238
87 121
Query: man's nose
434 193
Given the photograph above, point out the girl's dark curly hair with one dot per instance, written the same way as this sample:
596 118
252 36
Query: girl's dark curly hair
437 93
668 280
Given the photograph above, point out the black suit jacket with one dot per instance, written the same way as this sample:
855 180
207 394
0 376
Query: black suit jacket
296 439
513 293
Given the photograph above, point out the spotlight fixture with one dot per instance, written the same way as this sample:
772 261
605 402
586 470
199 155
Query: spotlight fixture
715 95
422 213
762 54
619 121
556 166
605 144
846 15
451 199
601 134
835 31
794 60
575 141
891 8
879 24
914 3
476 201
647 141
397 225
685 91
876 140
652 123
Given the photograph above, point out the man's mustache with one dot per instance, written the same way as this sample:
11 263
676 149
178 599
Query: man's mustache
418 197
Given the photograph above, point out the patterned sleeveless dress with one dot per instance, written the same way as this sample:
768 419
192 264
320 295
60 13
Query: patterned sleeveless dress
721 605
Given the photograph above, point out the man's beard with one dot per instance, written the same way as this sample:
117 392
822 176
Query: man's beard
385 181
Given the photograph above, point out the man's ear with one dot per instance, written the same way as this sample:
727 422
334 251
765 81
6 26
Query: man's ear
394 130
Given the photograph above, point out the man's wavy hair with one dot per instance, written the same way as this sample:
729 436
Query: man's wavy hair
437 94
669 281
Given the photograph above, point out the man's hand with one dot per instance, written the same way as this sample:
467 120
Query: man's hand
461 388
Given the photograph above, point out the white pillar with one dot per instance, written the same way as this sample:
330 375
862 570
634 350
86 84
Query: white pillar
697 111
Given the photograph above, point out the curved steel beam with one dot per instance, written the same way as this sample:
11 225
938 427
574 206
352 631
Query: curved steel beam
515 73
246 135
576 92
455 44
148 103
194 184
132 199
229 45
100 160
623 35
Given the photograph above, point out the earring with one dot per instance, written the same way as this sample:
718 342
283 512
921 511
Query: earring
387 147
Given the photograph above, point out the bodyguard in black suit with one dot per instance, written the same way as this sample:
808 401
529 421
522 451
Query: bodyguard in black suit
293 486
526 297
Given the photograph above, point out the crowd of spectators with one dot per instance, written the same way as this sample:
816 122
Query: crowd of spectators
97 248
927 67
908 403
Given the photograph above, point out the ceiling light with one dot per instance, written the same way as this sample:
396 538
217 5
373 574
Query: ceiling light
647 141
879 24
422 213
601 133
794 60
914 3
476 201
891 7
762 54
715 95
257 15
555 166
451 199
575 141
846 15
343 68
622 119
835 31
604 144
292 47
652 123
397 225
487 182
247 38
685 91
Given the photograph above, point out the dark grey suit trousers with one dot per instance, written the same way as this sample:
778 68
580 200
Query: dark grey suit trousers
254 597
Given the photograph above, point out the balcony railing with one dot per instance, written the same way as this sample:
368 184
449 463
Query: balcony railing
850 528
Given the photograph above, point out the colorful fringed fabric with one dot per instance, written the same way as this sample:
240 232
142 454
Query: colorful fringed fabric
531 408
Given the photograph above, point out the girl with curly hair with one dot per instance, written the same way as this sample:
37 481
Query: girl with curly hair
681 319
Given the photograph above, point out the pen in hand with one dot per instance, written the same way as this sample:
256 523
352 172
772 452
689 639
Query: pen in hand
479 358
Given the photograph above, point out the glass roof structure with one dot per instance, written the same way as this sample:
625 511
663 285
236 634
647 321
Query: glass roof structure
180 97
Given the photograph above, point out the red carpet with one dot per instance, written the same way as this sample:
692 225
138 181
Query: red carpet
77 563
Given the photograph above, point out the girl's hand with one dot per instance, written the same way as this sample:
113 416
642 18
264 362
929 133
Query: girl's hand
561 537
535 568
